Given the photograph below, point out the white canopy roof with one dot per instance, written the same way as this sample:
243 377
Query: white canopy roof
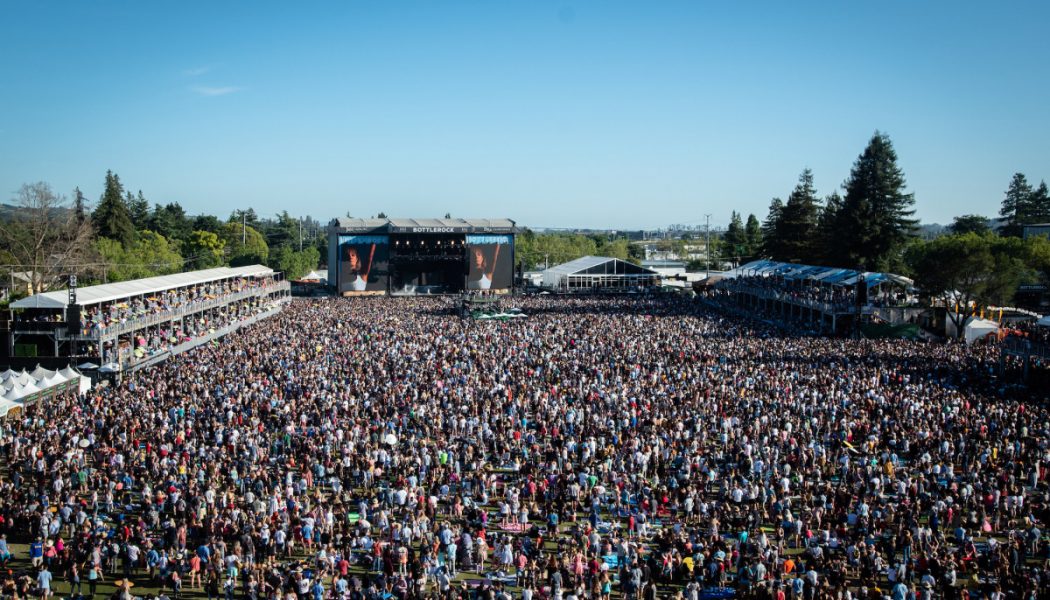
40 373
95 294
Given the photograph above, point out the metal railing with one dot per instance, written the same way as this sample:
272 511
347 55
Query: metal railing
167 316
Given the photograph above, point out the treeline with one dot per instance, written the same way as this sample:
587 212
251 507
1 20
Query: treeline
534 250
48 236
977 261
868 227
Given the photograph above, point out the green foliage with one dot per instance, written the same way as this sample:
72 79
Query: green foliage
207 223
734 241
111 218
770 242
973 270
172 220
753 234
969 224
247 247
150 254
295 264
798 223
875 221
1017 206
204 250
532 249
138 210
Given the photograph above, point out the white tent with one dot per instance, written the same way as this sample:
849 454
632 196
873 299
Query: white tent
15 394
52 381
22 378
7 374
6 406
69 373
41 373
974 328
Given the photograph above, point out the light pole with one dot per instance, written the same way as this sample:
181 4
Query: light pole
707 244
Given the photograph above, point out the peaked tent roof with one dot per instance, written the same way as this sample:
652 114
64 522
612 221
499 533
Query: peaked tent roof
95 294
590 263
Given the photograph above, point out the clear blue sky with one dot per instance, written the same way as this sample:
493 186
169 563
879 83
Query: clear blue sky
574 113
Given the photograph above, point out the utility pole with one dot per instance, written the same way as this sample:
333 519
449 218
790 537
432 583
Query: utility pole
244 229
707 244
300 234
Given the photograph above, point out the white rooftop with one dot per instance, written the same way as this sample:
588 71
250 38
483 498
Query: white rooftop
95 294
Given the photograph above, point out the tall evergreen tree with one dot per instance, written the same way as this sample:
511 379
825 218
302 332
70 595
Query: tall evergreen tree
1039 204
734 240
1016 208
770 242
80 206
797 226
138 210
827 234
753 233
111 218
876 216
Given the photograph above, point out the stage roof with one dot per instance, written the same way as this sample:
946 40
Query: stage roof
345 225
106 292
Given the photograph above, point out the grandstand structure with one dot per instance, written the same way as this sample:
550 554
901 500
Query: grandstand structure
829 299
131 324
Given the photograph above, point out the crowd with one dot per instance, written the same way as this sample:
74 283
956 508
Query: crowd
101 316
632 447
841 298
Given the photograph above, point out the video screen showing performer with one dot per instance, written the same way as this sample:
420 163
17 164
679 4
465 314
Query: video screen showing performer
490 261
363 263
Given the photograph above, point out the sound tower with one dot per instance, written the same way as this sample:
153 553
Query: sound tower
862 293
73 319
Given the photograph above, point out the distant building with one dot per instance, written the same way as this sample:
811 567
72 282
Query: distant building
1036 229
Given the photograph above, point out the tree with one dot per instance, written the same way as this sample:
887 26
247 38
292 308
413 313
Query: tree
80 205
1016 207
797 225
111 217
204 250
753 234
969 224
248 217
381 215
770 242
295 264
244 246
207 223
827 230
965 272
149 255
138 210
44 236
876 217
1039 204
734 240
172 220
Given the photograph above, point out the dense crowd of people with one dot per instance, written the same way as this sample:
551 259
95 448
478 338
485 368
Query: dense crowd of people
632 447
98 317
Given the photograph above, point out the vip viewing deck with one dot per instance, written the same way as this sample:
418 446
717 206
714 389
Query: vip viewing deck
128 325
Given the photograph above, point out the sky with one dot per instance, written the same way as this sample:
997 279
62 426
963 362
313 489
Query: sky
601 114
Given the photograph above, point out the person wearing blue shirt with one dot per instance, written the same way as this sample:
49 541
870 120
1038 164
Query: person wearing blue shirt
36 552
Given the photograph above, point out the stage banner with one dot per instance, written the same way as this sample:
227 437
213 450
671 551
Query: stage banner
364 263
490 262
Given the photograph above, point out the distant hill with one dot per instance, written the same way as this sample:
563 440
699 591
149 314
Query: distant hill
928 231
